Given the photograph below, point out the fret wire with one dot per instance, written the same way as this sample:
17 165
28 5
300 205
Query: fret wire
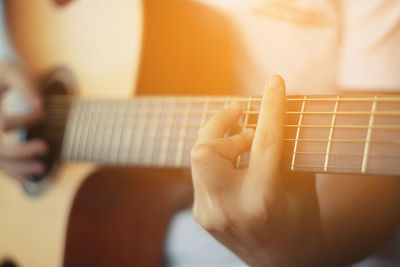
70 130
83 145
156 125
77 139
113 133
246 118
199 99
244 126
73 139
141 135
164 157
101 145
90 150
132 109
328 146
298 133
124 125
226 102
181 144
368 138
204 112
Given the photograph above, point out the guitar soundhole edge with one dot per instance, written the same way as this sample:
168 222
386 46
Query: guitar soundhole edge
8 263
56 87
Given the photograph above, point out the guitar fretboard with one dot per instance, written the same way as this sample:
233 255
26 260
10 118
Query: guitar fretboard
336 134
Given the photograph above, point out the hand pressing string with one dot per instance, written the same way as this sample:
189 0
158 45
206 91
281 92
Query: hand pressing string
265 216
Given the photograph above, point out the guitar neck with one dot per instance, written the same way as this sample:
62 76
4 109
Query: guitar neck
329 134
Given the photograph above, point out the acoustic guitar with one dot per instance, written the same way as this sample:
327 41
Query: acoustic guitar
353 134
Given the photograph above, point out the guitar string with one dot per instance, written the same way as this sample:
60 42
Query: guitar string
57 112
253 125
222 99
337 140
65 111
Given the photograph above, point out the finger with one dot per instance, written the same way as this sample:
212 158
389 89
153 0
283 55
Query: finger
14 76
219 123
212 167
228 148
27 150
20 121
266 149
22 169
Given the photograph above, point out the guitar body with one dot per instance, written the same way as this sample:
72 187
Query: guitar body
99 42
33 229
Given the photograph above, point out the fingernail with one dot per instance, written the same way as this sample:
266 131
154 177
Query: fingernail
275 82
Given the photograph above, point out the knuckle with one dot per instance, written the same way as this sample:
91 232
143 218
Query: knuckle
214 219
201 153
257 215
197 215
214 223
258 209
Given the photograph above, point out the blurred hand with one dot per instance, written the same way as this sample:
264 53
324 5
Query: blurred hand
20 160
266 217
